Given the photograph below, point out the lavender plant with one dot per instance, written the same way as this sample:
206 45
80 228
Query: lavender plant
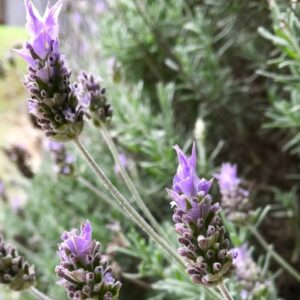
15 272
250 276
93 99
192 59
84 272
235 199
53 99
202 234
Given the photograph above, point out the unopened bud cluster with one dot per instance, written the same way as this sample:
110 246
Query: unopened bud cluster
15 272
93 99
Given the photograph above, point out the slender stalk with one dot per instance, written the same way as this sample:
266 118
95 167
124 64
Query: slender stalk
225 293
38 294
125 204
99 193
112 147
284 264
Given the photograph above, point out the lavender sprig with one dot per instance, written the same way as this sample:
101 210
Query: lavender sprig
84 271
93 99
15 272
202 234
53 99
235 199
250 276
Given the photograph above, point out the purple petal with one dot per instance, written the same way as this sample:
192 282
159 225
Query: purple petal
34 23
25 54
180 202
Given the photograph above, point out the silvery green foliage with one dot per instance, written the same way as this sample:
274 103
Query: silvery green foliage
285 72
15 271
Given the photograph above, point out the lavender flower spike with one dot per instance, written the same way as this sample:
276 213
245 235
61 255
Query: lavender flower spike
202 234
250 278
53 99
15 272
235 199
93 98
84 272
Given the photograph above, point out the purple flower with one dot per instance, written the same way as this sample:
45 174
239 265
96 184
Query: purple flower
83 270
250 280
43 31
202 234
53 101
123 161
186 181
92 97
235 199
227 177
78 244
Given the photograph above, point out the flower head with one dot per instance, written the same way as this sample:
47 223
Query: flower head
83 270
93 98
202 234
186 180
250 280
15 272
53 100
43 31
227 177
235 199
78 244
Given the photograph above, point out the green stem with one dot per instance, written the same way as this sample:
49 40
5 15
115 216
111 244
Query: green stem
225 293
125 204
99 193
38 294
111 145
284 264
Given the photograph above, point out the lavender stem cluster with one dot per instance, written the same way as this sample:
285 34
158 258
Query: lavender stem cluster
84 271
202 235
235 199
53 98
15 272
